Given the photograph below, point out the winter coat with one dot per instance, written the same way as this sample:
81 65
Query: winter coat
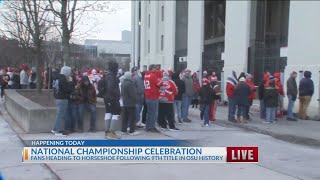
306 86
24 78
128 93
206 94
292 88
242 92
271 95
33 81
168 90
16 81
109 87
181 89
87 94
231 83
188 82
253 90
62 88
138 81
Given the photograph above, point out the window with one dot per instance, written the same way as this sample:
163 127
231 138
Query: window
162 13
149 21
149 46
162 42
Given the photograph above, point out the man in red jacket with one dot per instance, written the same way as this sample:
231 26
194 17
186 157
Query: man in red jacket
151 85
279 85
252 95
232 107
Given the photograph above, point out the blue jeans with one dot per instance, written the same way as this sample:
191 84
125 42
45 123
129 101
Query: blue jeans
205 111
71 117
93 111
271 113
290 107
138 111
186 101
62 106
152 114
177 108
262 110
232 107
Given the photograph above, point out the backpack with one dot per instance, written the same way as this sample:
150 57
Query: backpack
55 85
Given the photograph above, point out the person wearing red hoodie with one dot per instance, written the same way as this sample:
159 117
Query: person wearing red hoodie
279 85
232 106
252 95
151 86
168 91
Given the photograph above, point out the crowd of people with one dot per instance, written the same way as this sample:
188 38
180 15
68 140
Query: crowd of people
142 99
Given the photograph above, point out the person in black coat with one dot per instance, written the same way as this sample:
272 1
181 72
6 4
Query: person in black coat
206 96
242 92
271 95
178 98
306 90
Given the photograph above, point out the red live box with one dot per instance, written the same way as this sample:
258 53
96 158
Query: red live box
242 154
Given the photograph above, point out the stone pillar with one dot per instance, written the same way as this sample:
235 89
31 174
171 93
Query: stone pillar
169 33
195 34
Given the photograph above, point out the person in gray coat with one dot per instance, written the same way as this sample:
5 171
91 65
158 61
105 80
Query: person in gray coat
187 96
139 84
128 94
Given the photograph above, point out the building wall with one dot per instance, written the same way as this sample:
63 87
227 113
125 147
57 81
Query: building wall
303 43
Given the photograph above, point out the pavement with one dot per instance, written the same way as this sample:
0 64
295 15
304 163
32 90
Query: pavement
278 159
305 132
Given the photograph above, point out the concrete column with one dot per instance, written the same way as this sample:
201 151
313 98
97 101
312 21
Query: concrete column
133 34
143 38
195 34
135 43
169 33
154 35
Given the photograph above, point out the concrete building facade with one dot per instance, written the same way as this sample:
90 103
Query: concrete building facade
221 36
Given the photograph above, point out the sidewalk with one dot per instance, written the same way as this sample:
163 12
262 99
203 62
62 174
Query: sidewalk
300 132
10 157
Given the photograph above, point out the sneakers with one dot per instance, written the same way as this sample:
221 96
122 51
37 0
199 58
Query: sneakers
123 133
154 130
187 120
164 129
266 122
112 135
134 133
140 125
60 133
205 125
174 129
53 131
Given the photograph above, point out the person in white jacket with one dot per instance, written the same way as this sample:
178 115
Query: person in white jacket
24 79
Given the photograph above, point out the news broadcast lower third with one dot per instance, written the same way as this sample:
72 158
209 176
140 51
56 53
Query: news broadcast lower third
132 151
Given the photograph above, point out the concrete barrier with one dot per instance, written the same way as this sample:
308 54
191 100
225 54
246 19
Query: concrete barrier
34 118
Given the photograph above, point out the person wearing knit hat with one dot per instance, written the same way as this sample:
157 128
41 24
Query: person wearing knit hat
242 92
252 94
205 94
292 93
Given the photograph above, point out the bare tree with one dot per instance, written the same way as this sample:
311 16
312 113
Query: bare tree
71 13
30 22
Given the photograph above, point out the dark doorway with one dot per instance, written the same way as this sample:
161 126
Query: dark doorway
268 33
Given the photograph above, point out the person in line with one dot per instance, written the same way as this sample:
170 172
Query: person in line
10 74
261 89
3 83
87 102
242 92
139 85
232 107
110 91
145 110
168 90
252 96
206 94
292 93
178 98
279 85
306 90
16 80
24 77
33 79
129 97
216 97
271 95
62 88
73 114
187 96
151 87
196 87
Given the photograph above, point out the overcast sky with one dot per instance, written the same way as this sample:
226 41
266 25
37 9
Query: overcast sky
112 24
